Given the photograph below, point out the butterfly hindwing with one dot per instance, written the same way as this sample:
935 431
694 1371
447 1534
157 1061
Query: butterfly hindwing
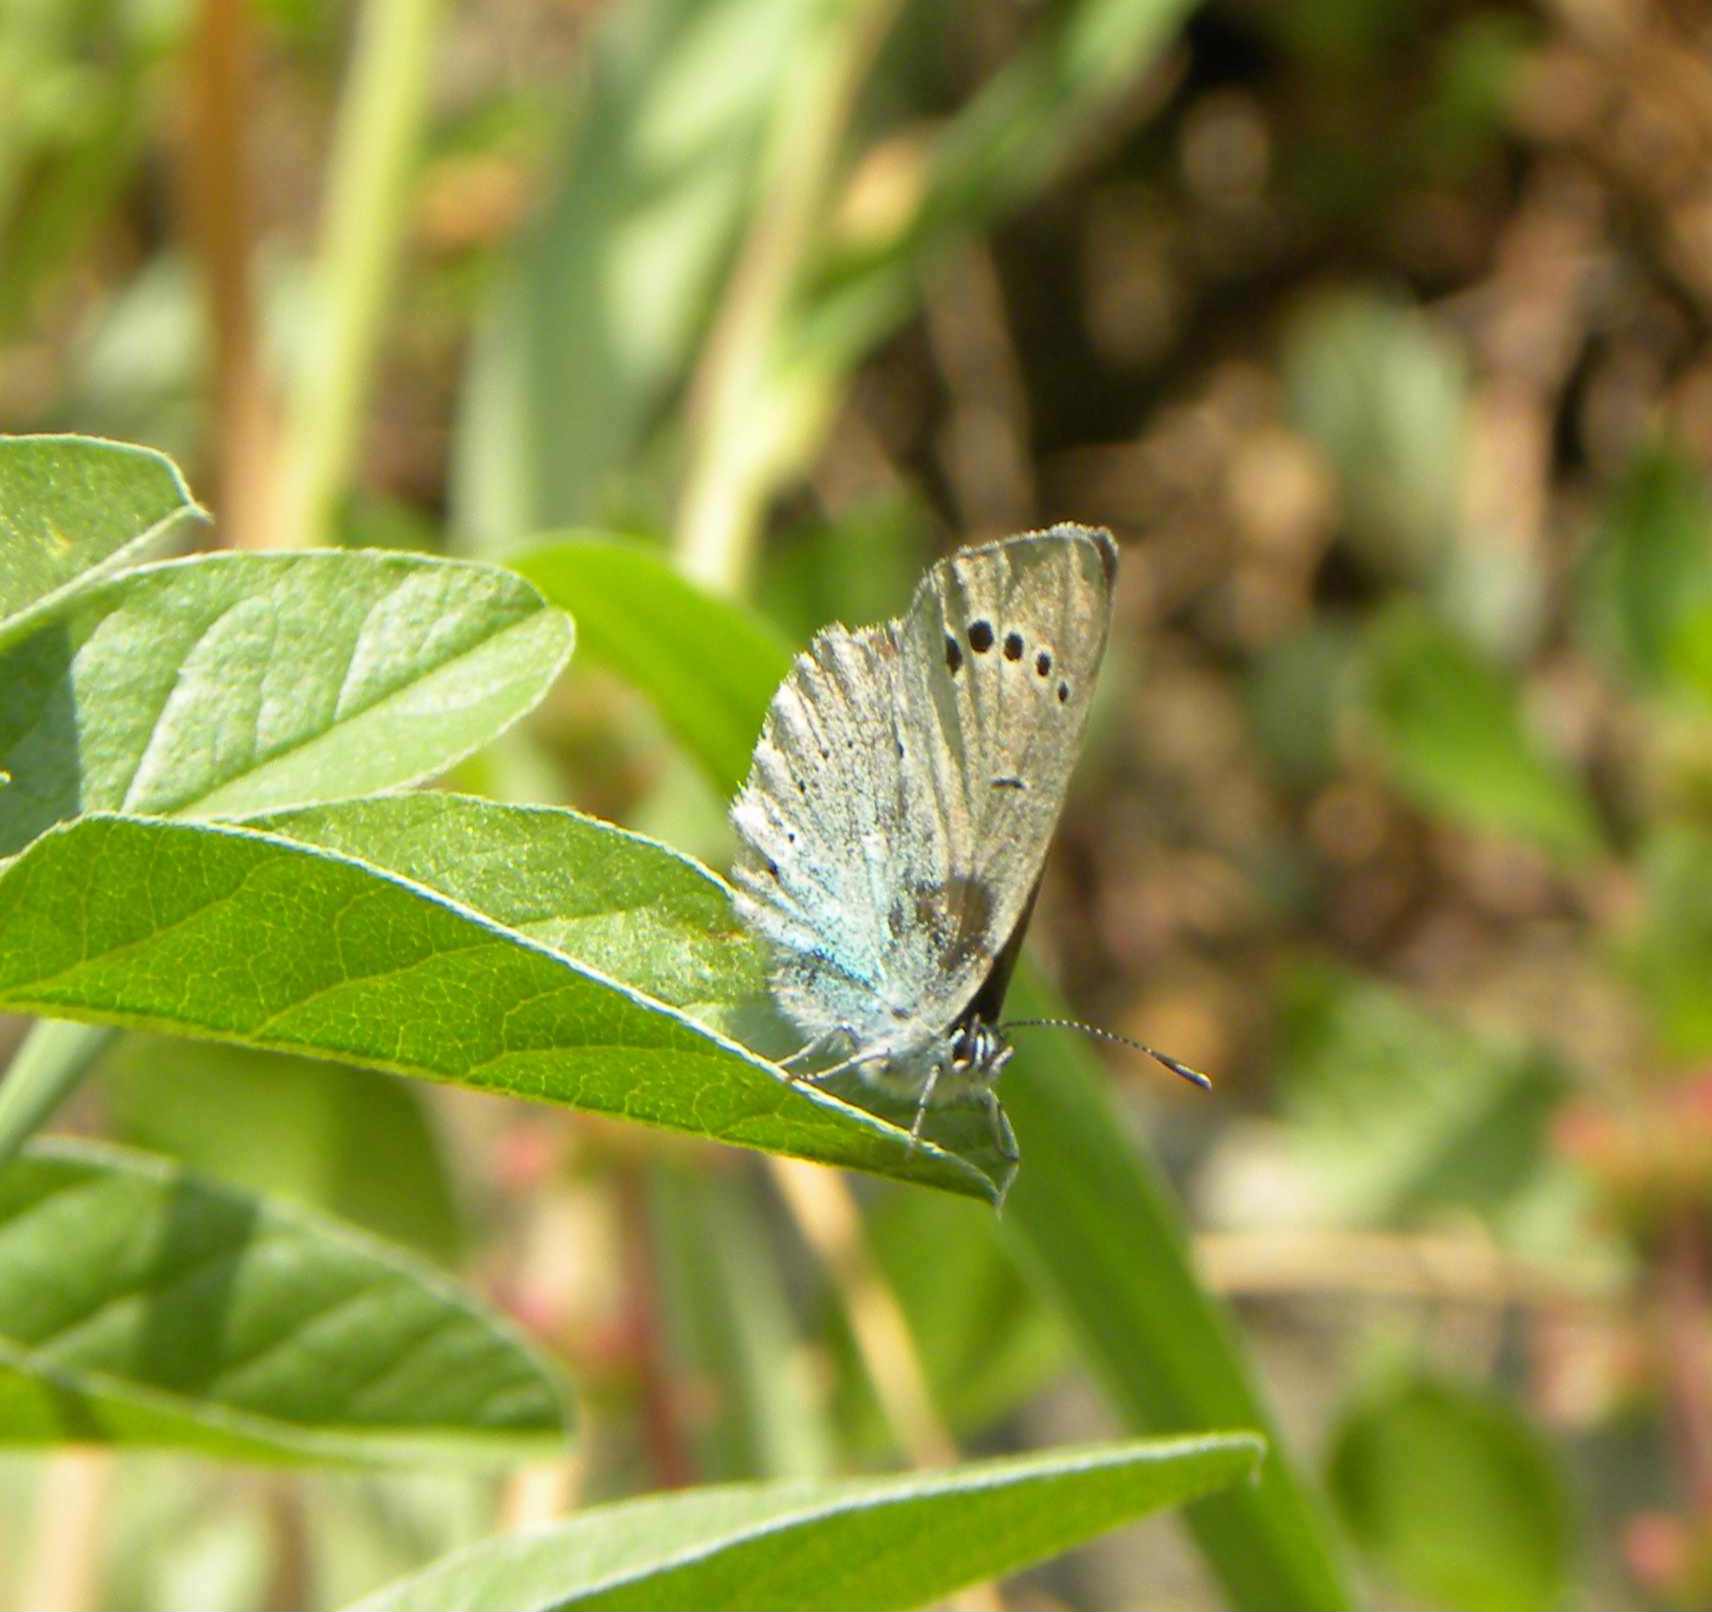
823 862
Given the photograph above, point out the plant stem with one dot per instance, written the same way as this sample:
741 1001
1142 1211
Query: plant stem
1687 1333
825 1212
731 470
374 157
826 1215
64 1571
218 200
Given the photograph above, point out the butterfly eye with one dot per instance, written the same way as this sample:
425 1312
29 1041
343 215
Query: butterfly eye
980 636
1013 646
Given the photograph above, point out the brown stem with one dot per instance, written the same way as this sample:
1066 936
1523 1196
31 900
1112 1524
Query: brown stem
1682 1301
218 199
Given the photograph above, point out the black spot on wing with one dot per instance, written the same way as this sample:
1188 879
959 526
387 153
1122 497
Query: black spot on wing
953 655
1013 646
980 636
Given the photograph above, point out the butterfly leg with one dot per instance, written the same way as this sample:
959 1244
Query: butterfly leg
854 1061
922 1102
821 1043
1004 1138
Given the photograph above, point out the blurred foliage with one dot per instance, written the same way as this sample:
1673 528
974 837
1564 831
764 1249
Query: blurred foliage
1384 394
1420 1461
352 1143
1453 736
1381 333
1397 1113
1647 580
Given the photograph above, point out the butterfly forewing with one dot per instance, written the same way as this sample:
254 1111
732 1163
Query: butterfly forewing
1012 635
907 782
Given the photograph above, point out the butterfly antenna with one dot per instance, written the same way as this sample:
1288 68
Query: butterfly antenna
1193 1076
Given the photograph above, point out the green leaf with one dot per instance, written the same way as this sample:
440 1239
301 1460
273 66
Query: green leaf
1101 1236
240 936
1396 1111
1450 729
709 666
1456 1497
231 683
140 1305
862 1543
354 1144
612 900
1646 586
71 507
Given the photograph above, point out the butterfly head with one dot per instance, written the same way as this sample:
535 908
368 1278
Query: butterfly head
978 1050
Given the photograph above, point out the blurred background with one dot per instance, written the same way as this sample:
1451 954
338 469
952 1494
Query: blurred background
1379 331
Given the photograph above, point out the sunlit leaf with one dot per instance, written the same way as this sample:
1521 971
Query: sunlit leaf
71 507
232 683
617 902
253 938
862 1543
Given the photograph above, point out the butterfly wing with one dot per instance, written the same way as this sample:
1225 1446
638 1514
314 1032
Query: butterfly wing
907 782
828 839
1013 634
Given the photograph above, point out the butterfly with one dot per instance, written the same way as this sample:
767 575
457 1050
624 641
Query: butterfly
897 813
